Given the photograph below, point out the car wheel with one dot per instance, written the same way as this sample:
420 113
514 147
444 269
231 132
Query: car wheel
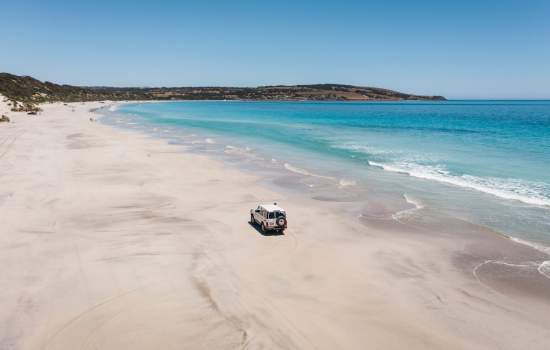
281 222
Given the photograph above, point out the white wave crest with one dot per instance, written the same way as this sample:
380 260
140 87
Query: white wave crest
365 149
526 192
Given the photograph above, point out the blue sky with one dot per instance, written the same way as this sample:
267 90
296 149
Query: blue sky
460 49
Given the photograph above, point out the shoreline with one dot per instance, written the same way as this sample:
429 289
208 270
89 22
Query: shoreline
515 190
123 240
542 253
179 138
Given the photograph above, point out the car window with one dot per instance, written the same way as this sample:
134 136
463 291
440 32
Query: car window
280 214
271 215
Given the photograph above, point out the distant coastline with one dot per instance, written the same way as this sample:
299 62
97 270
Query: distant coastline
30 90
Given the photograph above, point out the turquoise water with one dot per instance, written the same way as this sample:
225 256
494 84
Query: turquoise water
448 154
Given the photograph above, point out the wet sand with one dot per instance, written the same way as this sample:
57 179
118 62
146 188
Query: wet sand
111 239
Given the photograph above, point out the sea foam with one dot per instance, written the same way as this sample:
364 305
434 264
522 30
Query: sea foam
346 183
537 246
407 213
523 191
544 267
304 172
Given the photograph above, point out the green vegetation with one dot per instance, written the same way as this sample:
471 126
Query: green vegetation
31 91
24 107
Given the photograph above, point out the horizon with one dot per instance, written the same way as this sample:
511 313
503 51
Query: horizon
469 50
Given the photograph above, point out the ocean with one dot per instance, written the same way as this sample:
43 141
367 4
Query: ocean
486 162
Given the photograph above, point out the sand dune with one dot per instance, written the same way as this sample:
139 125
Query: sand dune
113 240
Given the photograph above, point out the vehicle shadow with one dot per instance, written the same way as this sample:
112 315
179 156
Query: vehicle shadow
267 233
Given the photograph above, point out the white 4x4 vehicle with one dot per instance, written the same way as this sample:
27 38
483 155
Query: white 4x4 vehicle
269 217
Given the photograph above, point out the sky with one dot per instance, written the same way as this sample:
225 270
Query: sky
459 49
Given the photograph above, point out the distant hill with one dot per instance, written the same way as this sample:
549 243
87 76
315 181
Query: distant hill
30 90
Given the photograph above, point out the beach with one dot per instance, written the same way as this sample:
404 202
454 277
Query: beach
113 239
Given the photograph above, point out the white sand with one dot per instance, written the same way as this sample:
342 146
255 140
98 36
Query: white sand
112 240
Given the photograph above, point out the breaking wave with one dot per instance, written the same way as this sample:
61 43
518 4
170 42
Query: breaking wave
534 193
